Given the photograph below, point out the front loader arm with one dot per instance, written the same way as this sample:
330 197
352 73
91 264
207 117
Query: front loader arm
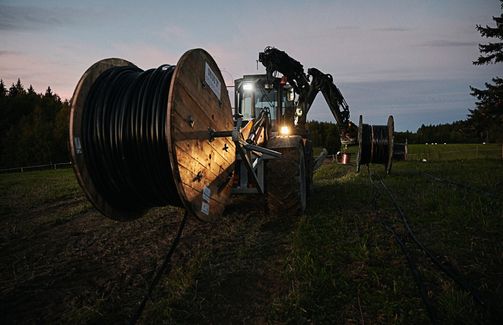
333 96
336 102
275 60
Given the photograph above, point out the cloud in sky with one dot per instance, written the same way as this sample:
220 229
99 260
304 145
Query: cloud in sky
392 29
30 17
370 48
7 53
449 43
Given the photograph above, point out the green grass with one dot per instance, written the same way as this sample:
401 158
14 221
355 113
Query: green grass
43 193
35 188
346 268
454 151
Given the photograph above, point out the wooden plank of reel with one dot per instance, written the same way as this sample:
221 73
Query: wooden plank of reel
202 167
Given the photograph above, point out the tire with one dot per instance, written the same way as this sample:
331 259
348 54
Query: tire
309 161
286 186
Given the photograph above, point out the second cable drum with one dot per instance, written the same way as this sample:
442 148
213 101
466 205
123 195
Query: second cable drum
375 144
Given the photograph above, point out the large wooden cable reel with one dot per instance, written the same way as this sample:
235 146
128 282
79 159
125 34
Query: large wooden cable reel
201 168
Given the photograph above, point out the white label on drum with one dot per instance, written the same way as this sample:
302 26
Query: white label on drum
212 81
205 208
206 194
78 146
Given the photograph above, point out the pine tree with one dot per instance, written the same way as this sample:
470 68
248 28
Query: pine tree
48 92
491 52
20 88
17 89
487 117
3 90
31 91
13 91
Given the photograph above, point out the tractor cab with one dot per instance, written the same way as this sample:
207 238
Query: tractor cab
255 93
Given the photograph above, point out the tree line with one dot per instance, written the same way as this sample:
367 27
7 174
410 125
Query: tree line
324 135
34 129
455 132
33 126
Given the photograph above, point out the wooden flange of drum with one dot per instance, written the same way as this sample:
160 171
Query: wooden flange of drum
201 167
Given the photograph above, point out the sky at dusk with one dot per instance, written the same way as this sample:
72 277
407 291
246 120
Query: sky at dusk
409 58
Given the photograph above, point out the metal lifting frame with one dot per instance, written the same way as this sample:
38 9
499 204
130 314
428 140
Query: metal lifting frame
250 155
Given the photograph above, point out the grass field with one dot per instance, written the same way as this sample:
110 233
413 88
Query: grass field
63 262
455 151
347 267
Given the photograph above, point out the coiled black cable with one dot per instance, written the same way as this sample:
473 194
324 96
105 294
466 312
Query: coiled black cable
380 145
124 137
374 144
366 144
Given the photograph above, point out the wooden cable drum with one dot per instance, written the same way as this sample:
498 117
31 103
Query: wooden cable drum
140 139
375 144
399 151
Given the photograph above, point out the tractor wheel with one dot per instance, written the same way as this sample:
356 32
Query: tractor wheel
286 182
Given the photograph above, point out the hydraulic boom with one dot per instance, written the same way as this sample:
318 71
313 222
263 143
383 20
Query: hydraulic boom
307 86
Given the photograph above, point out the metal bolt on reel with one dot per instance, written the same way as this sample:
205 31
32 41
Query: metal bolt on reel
375 144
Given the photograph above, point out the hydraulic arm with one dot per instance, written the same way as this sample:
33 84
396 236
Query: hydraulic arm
307 87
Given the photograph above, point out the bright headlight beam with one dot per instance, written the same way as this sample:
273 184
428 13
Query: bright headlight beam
284 130
248 86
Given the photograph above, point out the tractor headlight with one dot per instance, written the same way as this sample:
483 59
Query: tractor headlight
248 86
284 130
290 95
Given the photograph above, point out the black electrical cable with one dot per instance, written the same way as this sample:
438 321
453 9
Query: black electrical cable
415 272
164 268
124 137
451 273
454 275
380 145
366 144
374 144
409 257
